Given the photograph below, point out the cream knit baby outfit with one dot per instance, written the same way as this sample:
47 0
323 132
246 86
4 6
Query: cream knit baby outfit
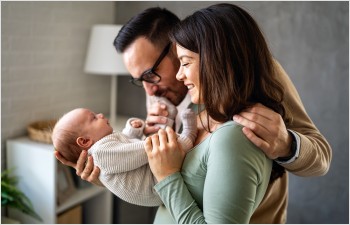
124 165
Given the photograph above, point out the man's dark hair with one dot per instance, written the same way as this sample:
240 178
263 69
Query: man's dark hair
153 23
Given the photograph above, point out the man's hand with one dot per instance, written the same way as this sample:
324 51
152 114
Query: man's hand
156 114
266 129
84 167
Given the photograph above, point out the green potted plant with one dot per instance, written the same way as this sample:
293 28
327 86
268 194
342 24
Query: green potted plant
12 197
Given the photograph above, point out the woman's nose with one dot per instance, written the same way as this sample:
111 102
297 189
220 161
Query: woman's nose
180 76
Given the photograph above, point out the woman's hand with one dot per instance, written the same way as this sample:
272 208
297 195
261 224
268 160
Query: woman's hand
84 167
165 156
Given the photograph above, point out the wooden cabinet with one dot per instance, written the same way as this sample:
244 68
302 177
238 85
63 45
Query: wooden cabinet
36 167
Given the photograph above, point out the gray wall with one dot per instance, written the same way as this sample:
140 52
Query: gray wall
311 41
43 48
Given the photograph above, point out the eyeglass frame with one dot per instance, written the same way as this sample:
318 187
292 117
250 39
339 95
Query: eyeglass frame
152 71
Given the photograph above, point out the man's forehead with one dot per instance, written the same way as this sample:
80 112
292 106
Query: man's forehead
140 56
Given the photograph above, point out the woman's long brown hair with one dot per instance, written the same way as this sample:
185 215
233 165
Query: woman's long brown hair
236 67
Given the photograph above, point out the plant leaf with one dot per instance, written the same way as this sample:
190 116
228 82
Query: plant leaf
12 197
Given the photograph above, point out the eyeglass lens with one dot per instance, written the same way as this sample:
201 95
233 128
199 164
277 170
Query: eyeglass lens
150 75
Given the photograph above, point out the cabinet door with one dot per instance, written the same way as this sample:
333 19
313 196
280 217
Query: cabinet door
35 165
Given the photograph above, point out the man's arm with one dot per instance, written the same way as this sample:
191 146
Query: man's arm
267 130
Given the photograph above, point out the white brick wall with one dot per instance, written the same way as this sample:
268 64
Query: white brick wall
43 47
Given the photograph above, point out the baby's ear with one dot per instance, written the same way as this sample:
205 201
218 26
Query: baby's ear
84 142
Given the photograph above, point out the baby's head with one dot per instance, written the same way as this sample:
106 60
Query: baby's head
78 130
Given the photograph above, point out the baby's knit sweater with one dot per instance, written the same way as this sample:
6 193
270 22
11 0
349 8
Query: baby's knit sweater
124 167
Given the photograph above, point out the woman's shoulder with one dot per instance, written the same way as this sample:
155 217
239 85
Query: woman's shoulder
229 128
230 136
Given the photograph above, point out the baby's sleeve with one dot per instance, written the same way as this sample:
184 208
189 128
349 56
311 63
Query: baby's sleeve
133 132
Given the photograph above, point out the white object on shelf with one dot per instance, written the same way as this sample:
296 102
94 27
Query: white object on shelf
35 165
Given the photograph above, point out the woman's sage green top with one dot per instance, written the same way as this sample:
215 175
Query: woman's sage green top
223 180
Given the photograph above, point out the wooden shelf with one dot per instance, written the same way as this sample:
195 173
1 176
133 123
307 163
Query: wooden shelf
79 196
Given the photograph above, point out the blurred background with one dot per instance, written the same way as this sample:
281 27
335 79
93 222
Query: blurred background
43 50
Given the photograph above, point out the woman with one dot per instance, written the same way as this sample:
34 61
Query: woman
227 67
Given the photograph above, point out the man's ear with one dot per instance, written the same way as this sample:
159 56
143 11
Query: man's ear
84 142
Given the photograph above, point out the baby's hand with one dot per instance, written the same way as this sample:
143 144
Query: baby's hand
136 123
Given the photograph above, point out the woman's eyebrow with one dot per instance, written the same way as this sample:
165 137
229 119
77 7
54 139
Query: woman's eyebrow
184 56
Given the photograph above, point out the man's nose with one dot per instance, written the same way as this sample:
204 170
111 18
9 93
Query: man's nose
150 88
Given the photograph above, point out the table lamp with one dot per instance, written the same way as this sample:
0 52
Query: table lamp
102 59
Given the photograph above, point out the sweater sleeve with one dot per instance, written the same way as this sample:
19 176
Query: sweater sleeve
125 170
315 152
117 154
236 180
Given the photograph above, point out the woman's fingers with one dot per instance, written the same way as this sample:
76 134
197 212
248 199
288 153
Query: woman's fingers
155 141
148 145
172 137
167 139
163 139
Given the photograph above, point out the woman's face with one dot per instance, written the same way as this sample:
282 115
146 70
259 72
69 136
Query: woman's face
189 71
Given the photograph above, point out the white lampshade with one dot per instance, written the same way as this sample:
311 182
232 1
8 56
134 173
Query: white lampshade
102 57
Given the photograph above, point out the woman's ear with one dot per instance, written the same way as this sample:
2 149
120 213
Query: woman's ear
84 142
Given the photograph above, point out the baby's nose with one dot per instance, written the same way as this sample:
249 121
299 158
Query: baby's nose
100 115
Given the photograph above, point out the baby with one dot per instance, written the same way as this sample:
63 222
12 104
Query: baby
119 155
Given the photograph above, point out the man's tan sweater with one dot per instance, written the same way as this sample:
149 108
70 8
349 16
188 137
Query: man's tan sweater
314 157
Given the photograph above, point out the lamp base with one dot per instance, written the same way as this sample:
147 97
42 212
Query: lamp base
114 98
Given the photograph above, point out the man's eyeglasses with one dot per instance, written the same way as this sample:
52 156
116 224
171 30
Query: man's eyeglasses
150 75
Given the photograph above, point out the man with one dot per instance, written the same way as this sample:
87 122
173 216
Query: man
153 64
